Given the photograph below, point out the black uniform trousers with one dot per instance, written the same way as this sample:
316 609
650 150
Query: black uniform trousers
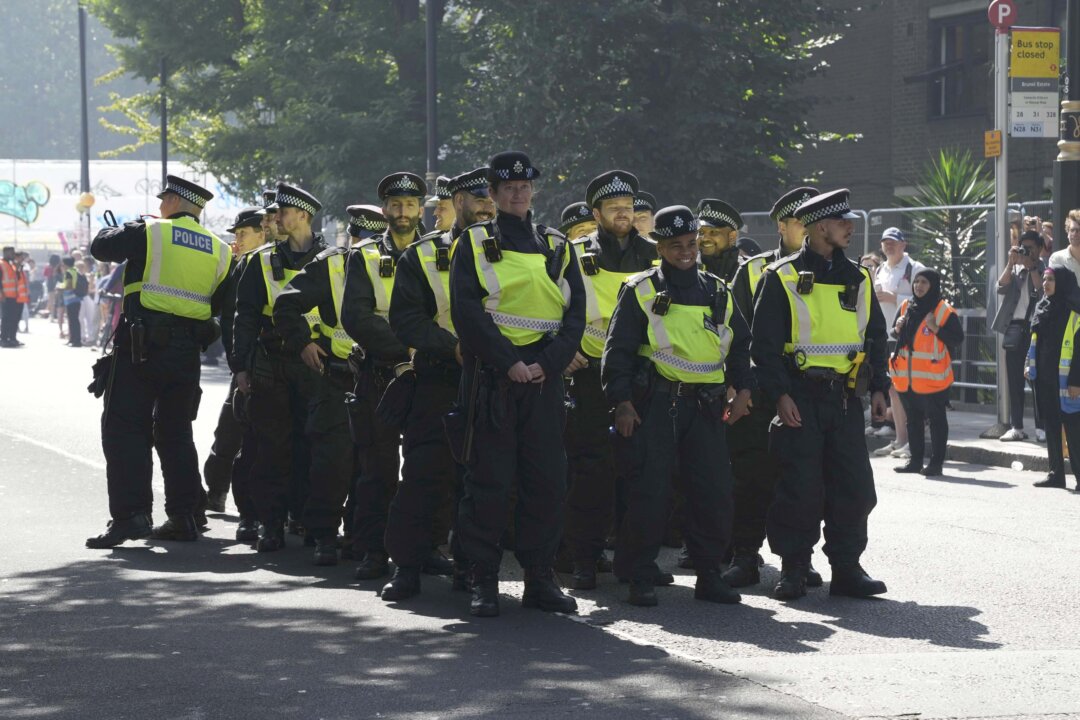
9 319
825 474
150 405
920 408
590 498
518 442
327 431
1047 395
74 325
430 479
278 408
231 457
754 471
379 466
675 433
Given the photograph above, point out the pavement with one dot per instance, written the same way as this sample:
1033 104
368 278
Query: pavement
979 621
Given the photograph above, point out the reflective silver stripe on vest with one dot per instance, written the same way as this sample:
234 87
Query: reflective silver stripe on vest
665 354
790 279
656 322
523 323
491 280
432 272
382 303
943 375
153 282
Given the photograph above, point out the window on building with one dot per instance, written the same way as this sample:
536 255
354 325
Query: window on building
960 72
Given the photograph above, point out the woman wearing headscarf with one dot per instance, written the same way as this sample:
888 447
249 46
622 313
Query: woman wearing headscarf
1054 334
927 330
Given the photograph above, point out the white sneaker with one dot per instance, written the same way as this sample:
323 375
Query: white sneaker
1012 435
870 430
886 450
1040 435
884 431
902 452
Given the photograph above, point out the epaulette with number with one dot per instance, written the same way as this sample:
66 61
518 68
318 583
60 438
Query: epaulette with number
331 251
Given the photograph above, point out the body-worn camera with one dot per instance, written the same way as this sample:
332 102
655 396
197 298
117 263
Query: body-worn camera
661 304
277 269
442 259
589 264
386 266
491 250
805 285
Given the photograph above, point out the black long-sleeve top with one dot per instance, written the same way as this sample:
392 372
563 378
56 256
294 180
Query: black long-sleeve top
251 296
228 309
638 255
771 327
128 243
413 308
740 286
629 330
308 289
723 264
358 316
479 335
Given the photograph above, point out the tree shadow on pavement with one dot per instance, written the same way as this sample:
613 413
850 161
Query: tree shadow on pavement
137 639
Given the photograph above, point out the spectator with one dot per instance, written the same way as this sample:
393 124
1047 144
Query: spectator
87 303
871 261
1020 286
69 287
1056 378
928 332
1048 239
1069 257
37 285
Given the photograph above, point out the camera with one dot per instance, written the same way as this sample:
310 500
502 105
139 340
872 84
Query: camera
1022 251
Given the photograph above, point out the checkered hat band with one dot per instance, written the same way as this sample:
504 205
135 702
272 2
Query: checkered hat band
789 209
283 199
692 226
717 216
821 213
365 223
615 188
404 183
183 192
642 205
505 174
472 183
443 193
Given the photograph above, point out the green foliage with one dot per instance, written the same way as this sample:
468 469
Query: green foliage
956 244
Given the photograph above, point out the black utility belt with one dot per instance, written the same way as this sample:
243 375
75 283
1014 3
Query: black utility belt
824 378
676 388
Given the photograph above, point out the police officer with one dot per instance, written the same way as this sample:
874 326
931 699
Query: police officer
269 217
754 469
174 283
278 383
607 257
365 314
365 221
443 205
518 305
420 317
321 286
818 331
676 343
644 209
577 221
720 224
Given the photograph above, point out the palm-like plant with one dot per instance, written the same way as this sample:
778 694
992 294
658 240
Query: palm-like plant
953 243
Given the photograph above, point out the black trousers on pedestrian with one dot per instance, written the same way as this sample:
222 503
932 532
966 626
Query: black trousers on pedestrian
1015 362
327 431
919 409
10 314
278 409
150 405
379 467
231 458
74 326
825 474
518 443
1047 395
590 498
430 479
694 444
754 471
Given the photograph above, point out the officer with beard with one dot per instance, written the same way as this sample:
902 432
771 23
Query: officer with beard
720 224
420 317
607 257
369 287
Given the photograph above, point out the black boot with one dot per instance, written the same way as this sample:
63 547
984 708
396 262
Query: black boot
461 581
1051 481
792 583
404 584
485 593
135 527
909 467
271 537
851 580
325 551
216 501
177 527
603 565
813 577
642 594
711 587
584 575
744 569
247 531
541 591
373 566
437 564
934 470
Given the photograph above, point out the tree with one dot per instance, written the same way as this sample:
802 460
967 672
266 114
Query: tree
956 245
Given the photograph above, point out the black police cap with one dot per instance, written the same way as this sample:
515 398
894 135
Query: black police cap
402 184
292 196
612 184
250 216
575 214
644 202
748 245
790 201
474 181
833 204
442 189
365 218
269 197
673 221
511 165
717 213
195 194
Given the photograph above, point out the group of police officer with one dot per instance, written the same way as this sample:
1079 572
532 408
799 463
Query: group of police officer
498 383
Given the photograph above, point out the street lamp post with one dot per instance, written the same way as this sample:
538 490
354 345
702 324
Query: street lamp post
432 19
1067 165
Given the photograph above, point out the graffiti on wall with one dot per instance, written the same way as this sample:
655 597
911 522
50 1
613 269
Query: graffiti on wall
23 202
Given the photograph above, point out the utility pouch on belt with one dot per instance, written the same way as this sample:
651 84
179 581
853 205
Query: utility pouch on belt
361 420
712 400
459 424
138 342
262 369
102 370
207 332
858 379
397 399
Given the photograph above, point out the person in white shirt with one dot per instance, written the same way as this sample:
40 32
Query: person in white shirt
1069 257
892 284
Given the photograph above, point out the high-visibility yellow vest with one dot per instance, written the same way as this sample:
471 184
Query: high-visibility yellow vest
755 270
522 299
341 344
185 263
823 334
927 367
1068 404
382 284
686 344
601 295
275 287
427 252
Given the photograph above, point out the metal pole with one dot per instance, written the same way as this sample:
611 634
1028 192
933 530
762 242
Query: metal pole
1001 203
84 148
164 127
1067 166
432 8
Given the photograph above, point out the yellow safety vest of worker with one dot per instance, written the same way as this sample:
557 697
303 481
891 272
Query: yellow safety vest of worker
687 343
185 264
926 367
380 269
824 333
275 287
522 299
340 342
601 296
435 262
